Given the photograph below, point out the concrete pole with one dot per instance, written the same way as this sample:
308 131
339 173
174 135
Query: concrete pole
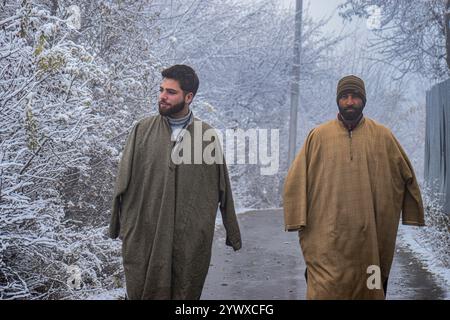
447 32
295 82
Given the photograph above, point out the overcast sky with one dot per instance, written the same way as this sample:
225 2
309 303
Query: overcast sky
323 8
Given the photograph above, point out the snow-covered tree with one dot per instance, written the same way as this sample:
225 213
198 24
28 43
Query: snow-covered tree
120 36
46 112
414 36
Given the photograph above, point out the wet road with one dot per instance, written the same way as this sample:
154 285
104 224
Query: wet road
270 265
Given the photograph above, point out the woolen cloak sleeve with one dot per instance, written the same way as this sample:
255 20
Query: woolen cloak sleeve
122 182
295 202
226 205
412 209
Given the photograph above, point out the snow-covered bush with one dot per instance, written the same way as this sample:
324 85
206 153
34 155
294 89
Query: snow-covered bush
46 113
436 233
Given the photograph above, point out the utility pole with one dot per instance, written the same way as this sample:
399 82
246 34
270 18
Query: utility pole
447 31
295 84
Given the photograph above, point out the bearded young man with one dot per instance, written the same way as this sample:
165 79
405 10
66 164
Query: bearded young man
344 194
163 212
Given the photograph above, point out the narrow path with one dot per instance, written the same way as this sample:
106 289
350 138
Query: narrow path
270 265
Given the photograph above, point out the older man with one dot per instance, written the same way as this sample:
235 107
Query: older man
344 194
165 210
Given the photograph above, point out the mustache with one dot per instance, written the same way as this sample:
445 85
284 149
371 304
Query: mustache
353 107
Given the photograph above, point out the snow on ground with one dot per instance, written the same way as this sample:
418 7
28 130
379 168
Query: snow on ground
114 294
410 238
243 210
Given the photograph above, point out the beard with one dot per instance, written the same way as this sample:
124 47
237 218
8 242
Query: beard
171 110
350 113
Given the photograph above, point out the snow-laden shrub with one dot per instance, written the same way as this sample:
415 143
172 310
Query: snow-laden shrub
436 233
68 263
46 115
